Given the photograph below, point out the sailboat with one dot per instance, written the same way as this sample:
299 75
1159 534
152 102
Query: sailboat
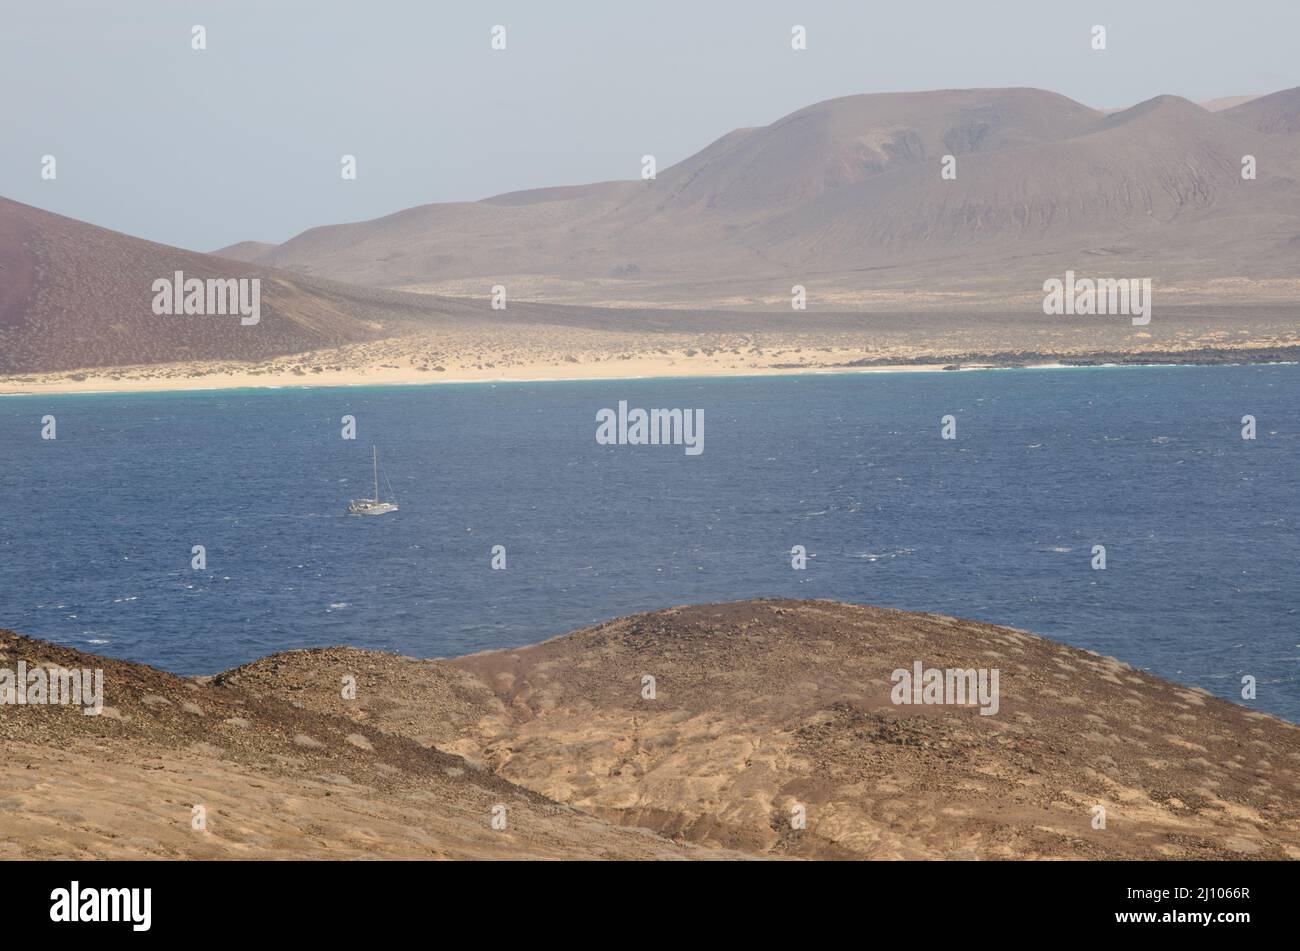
373 506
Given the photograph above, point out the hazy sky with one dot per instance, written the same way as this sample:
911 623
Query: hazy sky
243 139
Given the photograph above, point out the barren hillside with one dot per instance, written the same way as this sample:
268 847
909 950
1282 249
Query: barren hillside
275 780
846 197
759 708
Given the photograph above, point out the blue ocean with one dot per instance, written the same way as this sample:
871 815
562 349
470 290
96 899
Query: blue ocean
98 526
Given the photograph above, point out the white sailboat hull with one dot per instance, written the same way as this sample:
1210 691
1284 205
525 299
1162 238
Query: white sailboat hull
371 507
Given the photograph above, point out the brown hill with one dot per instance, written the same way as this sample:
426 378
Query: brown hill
846 197
275 780
1276 113
74 295
759 708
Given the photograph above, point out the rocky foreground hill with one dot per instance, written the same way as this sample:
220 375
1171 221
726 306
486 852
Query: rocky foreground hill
759 713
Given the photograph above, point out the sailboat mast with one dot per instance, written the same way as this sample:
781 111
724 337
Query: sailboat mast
376 449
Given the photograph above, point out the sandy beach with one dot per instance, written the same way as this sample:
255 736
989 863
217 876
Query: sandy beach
504 354
186 377
520 353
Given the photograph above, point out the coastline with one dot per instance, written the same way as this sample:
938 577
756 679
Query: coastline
378 376
182 378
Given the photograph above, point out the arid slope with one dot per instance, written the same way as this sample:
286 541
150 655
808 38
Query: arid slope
846 198
762 706
74 296
759 708
275 780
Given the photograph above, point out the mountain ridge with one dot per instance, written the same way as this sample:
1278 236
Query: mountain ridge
857 180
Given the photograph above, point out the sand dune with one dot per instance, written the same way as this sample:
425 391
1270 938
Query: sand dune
243 250
759 708
1224 102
